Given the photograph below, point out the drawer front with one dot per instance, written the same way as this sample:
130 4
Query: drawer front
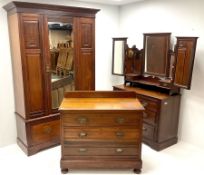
148 131
101 119
149 116
45 132
149 104
101 151
102 134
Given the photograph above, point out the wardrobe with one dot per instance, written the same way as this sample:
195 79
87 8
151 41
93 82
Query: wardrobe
53 51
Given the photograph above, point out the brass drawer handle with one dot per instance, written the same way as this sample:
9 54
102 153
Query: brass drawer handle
145 115
82 150
120 134
82 120
119 150
120 120
144 103
82 134
47 129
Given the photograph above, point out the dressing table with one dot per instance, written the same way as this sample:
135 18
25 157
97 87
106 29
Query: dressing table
157 73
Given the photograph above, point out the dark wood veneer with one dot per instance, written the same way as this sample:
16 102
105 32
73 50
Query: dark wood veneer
37 122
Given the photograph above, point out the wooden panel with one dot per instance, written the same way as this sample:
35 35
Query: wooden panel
45 132
85 53
33 63
185 54
31 26
148 131
35 83
156 48
16 64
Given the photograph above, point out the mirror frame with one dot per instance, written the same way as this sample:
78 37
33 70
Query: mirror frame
165 47
115 55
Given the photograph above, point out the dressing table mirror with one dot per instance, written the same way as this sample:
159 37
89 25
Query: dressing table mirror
158 66
156 58
118 56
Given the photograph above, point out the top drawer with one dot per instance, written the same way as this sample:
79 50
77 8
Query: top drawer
150 104
102 119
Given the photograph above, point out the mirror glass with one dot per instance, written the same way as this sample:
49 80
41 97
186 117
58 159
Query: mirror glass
119 45
61 59
156 48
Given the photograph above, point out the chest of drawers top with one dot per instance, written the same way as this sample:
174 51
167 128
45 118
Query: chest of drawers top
100 101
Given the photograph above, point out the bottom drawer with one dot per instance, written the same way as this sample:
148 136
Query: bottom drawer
45 131
148 131
101 151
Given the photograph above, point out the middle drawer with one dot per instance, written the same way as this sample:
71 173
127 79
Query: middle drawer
101 133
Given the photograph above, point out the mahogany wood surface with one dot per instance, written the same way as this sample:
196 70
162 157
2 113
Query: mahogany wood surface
160 118
37 122
103 134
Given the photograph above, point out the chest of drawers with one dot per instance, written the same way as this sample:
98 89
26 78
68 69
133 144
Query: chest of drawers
160 118
101 130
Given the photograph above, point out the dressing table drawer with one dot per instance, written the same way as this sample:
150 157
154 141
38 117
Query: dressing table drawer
148 131
150 104
149 116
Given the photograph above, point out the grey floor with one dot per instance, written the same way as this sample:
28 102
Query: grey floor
181 159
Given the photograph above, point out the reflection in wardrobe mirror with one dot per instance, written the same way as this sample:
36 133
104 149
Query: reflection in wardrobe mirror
61 58
156 54
119 45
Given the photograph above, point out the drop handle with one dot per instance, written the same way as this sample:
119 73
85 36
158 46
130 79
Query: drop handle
120 134
82 120
82 134
119 150
82 150
120 120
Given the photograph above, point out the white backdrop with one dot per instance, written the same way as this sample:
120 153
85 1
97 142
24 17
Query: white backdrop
176 16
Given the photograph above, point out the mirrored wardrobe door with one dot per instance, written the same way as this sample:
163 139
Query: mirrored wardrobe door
61 61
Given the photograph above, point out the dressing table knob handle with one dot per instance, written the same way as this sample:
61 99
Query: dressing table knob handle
144 103
144 129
